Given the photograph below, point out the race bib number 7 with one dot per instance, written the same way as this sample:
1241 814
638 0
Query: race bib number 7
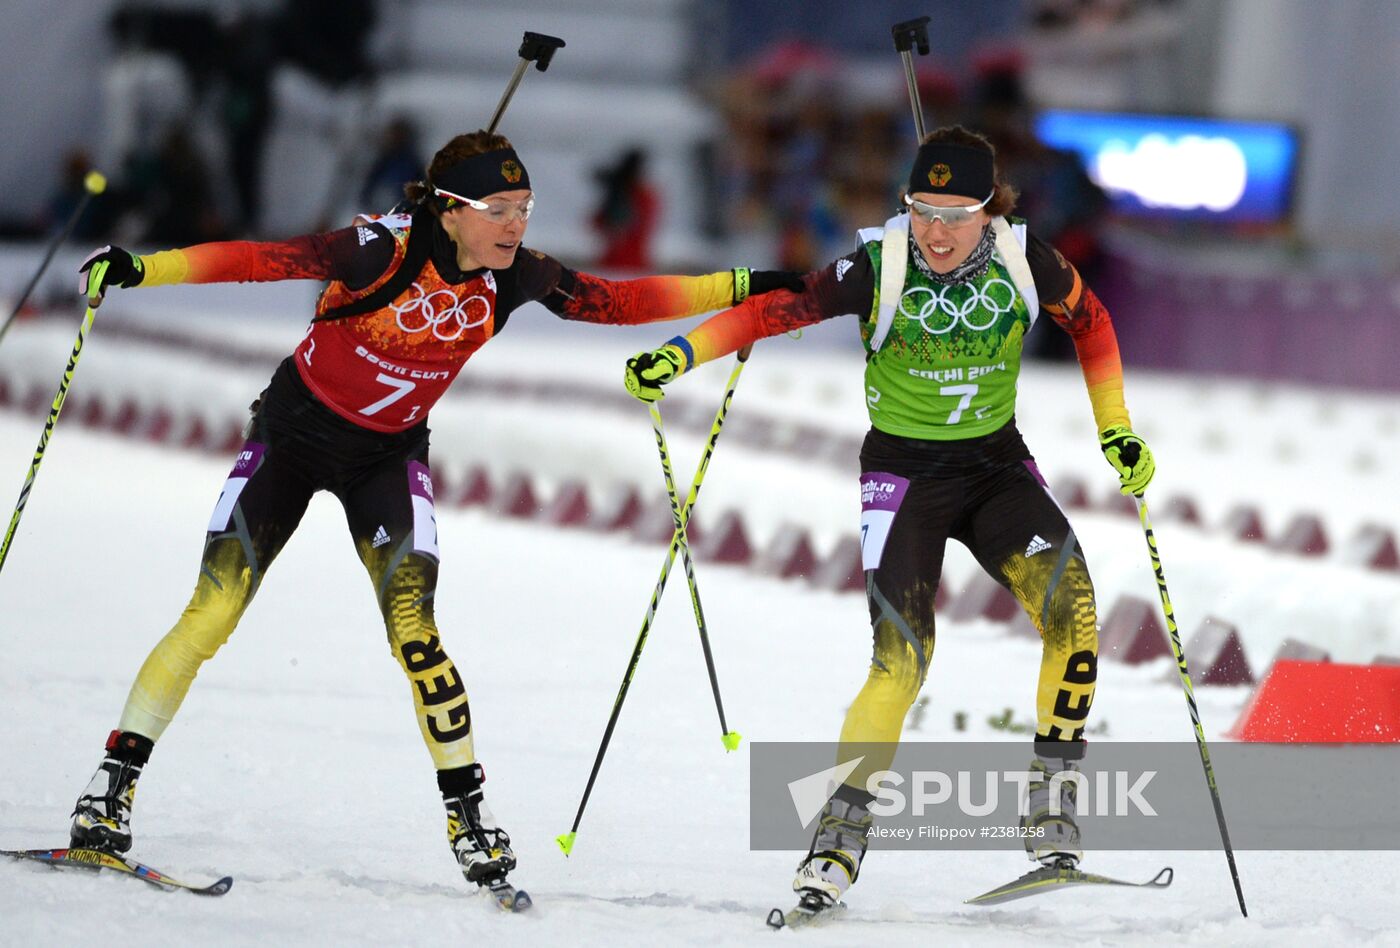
249 458
880 497
399 388
420 492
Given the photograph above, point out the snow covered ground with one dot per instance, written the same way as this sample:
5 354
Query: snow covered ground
296 767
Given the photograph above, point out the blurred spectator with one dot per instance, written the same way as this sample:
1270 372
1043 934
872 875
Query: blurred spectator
245 113
172 193
802 197
814 152
1089 14
1063 206
940 94
745 164
867 172
149 83
216 68
778 156
190 36
397 161
66 197
329 38
627 213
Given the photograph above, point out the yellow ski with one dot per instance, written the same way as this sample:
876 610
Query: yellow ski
1050 878
96 859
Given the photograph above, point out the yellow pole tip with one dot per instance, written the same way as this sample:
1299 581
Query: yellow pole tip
95 182
566 842
731 740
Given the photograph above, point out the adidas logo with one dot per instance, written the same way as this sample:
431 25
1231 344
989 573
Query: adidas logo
365 235
381 538
842 266
1036 545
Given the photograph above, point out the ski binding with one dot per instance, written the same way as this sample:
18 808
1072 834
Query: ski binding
812 908
507 896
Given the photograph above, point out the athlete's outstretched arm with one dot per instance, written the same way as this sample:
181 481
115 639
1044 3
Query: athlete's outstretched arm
338 255
846 285
593 299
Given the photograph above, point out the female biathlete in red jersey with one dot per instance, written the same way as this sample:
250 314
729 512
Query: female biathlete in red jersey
410 298
944 294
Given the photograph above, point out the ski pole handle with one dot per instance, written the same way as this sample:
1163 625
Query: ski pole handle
909 34
538 48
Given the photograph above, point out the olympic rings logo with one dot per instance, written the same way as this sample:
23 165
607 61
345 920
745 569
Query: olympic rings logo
958 302
449 322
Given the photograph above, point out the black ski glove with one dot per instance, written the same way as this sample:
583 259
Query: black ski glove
109 266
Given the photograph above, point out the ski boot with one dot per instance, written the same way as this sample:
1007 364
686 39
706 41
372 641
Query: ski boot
102 816
833 862
1054 838
481 847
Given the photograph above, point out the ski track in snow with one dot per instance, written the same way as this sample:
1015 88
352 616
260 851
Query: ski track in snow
295 765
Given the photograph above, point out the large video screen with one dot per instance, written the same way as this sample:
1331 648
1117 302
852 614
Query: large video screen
1179 166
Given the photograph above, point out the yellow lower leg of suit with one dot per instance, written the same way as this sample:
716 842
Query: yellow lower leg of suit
404 584
1058 596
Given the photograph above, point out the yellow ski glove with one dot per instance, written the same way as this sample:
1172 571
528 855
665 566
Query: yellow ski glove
647 371
1130 457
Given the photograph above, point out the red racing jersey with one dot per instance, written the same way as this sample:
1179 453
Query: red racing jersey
385 369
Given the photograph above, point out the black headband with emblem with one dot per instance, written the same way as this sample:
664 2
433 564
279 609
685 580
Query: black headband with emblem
945 168
477 176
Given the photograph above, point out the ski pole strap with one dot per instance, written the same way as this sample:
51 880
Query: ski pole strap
682 345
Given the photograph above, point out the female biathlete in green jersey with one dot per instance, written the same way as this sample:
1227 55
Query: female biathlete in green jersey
945 293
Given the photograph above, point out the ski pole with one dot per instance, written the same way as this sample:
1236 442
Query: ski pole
681 540
94 280
566 840
93 183
908 36
535 48
1185 675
